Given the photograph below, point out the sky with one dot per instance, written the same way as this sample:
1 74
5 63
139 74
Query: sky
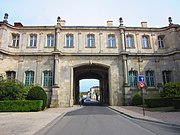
86 84
91 12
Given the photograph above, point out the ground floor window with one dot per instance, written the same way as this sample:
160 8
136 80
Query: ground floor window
29 78
150 78
11 75
166 76
47 78
133 78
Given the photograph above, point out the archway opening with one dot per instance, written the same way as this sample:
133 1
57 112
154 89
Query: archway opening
95 72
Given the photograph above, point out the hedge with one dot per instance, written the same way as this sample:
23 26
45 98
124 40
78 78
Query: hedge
20 105
159 102
176 103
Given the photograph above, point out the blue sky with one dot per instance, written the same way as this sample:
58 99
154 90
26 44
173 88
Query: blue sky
91 12
86 84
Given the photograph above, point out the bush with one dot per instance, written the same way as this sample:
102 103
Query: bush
12 90
176 103
171 89
137 100
37 93
158 102
20 105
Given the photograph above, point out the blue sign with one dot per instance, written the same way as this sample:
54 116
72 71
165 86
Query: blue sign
141 78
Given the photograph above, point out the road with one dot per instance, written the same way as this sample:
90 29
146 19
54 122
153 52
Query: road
96 119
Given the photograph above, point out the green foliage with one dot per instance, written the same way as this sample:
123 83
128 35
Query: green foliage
137 100
171 89
37 93
159 102
12 90
20 105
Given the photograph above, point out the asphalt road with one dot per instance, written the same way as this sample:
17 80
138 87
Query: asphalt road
96 119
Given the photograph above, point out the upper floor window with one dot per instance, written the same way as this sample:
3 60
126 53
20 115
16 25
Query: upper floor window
166 76
50 40
69 40
133 78
129 41
29 78
33 40
11 75
47 78
90 40
15 40
161 41
111 41
145 42
150 78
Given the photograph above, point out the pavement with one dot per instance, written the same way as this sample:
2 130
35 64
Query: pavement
29 123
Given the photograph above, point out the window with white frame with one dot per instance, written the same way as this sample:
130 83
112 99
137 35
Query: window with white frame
166 76
111 41
133 78
161 41
50 40
129 41
90 40
29 78
33 40
145 41
11 75
15 40
69 40
47 78
150 78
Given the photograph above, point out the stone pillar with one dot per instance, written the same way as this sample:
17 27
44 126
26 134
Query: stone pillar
55 89
122 38
125 70
71 102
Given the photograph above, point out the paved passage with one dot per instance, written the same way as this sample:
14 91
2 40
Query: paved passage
96 119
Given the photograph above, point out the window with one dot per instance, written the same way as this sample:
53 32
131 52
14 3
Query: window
150 78
15 40
11 75
29 78
111 41
69 40
33 40
161 41
145 42
133 78
47 78
50 40
166 76
90 40
129 41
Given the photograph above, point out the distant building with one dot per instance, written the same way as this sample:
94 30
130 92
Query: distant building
58 57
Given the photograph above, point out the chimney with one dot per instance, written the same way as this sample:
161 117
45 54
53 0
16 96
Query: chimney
144 24
18 24
109 23
62 22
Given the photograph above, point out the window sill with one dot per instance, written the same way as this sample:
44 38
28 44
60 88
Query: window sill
13 47
49 47
146 48
90 47
112 47
68 47
130 48
31 47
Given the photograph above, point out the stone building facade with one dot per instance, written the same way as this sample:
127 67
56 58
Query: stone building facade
58 57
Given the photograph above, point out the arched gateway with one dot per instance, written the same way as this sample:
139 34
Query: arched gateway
92 71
